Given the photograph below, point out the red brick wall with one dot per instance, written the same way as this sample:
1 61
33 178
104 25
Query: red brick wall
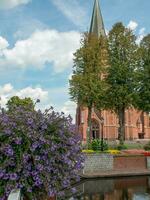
129 162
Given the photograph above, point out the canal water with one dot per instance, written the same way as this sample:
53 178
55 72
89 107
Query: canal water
137 188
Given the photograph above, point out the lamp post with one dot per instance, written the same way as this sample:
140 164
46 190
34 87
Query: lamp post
102 134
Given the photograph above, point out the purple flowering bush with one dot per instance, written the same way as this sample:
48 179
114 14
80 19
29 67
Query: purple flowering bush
38 152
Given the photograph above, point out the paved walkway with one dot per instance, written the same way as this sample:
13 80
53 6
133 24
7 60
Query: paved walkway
117 173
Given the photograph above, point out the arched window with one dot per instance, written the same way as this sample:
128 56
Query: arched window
95 130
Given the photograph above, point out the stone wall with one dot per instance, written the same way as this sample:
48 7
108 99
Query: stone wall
95 163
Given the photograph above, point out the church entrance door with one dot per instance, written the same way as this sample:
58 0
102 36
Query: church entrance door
95 130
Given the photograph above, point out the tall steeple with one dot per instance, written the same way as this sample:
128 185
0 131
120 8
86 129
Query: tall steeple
97 25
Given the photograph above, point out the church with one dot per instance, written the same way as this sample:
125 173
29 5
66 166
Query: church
105 123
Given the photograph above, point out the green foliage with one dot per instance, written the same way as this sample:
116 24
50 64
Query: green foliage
123 53
147 146
123 61
122 147
87 86
96 145
143 76
15 102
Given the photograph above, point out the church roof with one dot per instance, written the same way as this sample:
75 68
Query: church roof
97 25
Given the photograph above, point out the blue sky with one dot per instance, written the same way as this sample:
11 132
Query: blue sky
38 38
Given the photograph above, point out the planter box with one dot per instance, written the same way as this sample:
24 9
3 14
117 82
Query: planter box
95 163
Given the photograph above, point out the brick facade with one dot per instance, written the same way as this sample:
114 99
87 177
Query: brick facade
137 124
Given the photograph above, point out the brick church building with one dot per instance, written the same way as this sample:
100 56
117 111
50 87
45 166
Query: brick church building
137 123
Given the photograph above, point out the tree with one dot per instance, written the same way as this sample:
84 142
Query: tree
87 85
15 101
121 73
143 76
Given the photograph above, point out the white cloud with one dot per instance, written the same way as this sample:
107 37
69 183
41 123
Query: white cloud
34 93
3 101
7 91
142 31
70 108
107 32
9 4
72 10
46 46
141 35
132 25
7 88
3 43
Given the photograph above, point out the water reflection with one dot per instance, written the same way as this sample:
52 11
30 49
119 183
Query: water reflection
112 189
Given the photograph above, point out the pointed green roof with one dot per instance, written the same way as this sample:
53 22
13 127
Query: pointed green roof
97 25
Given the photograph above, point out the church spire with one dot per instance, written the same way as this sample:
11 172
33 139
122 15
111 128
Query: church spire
97 25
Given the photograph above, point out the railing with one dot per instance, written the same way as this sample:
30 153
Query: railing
15 195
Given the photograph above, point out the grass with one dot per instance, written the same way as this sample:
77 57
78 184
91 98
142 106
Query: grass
128 145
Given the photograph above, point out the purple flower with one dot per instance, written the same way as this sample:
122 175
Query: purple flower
2 173
29 189
26 157
47 151
34 146
34 173
37 157
8 150
30 121
61 194
44 127
38 183
73 190
5 119
40 167
13 176
8 132
66 183
3 198
6 176
18 141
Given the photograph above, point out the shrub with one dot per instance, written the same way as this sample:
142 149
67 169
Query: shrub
147 146
96 145
38 152
122 147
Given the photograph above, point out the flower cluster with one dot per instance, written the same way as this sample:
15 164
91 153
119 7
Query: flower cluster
38 151
146 153
88 151
113 151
